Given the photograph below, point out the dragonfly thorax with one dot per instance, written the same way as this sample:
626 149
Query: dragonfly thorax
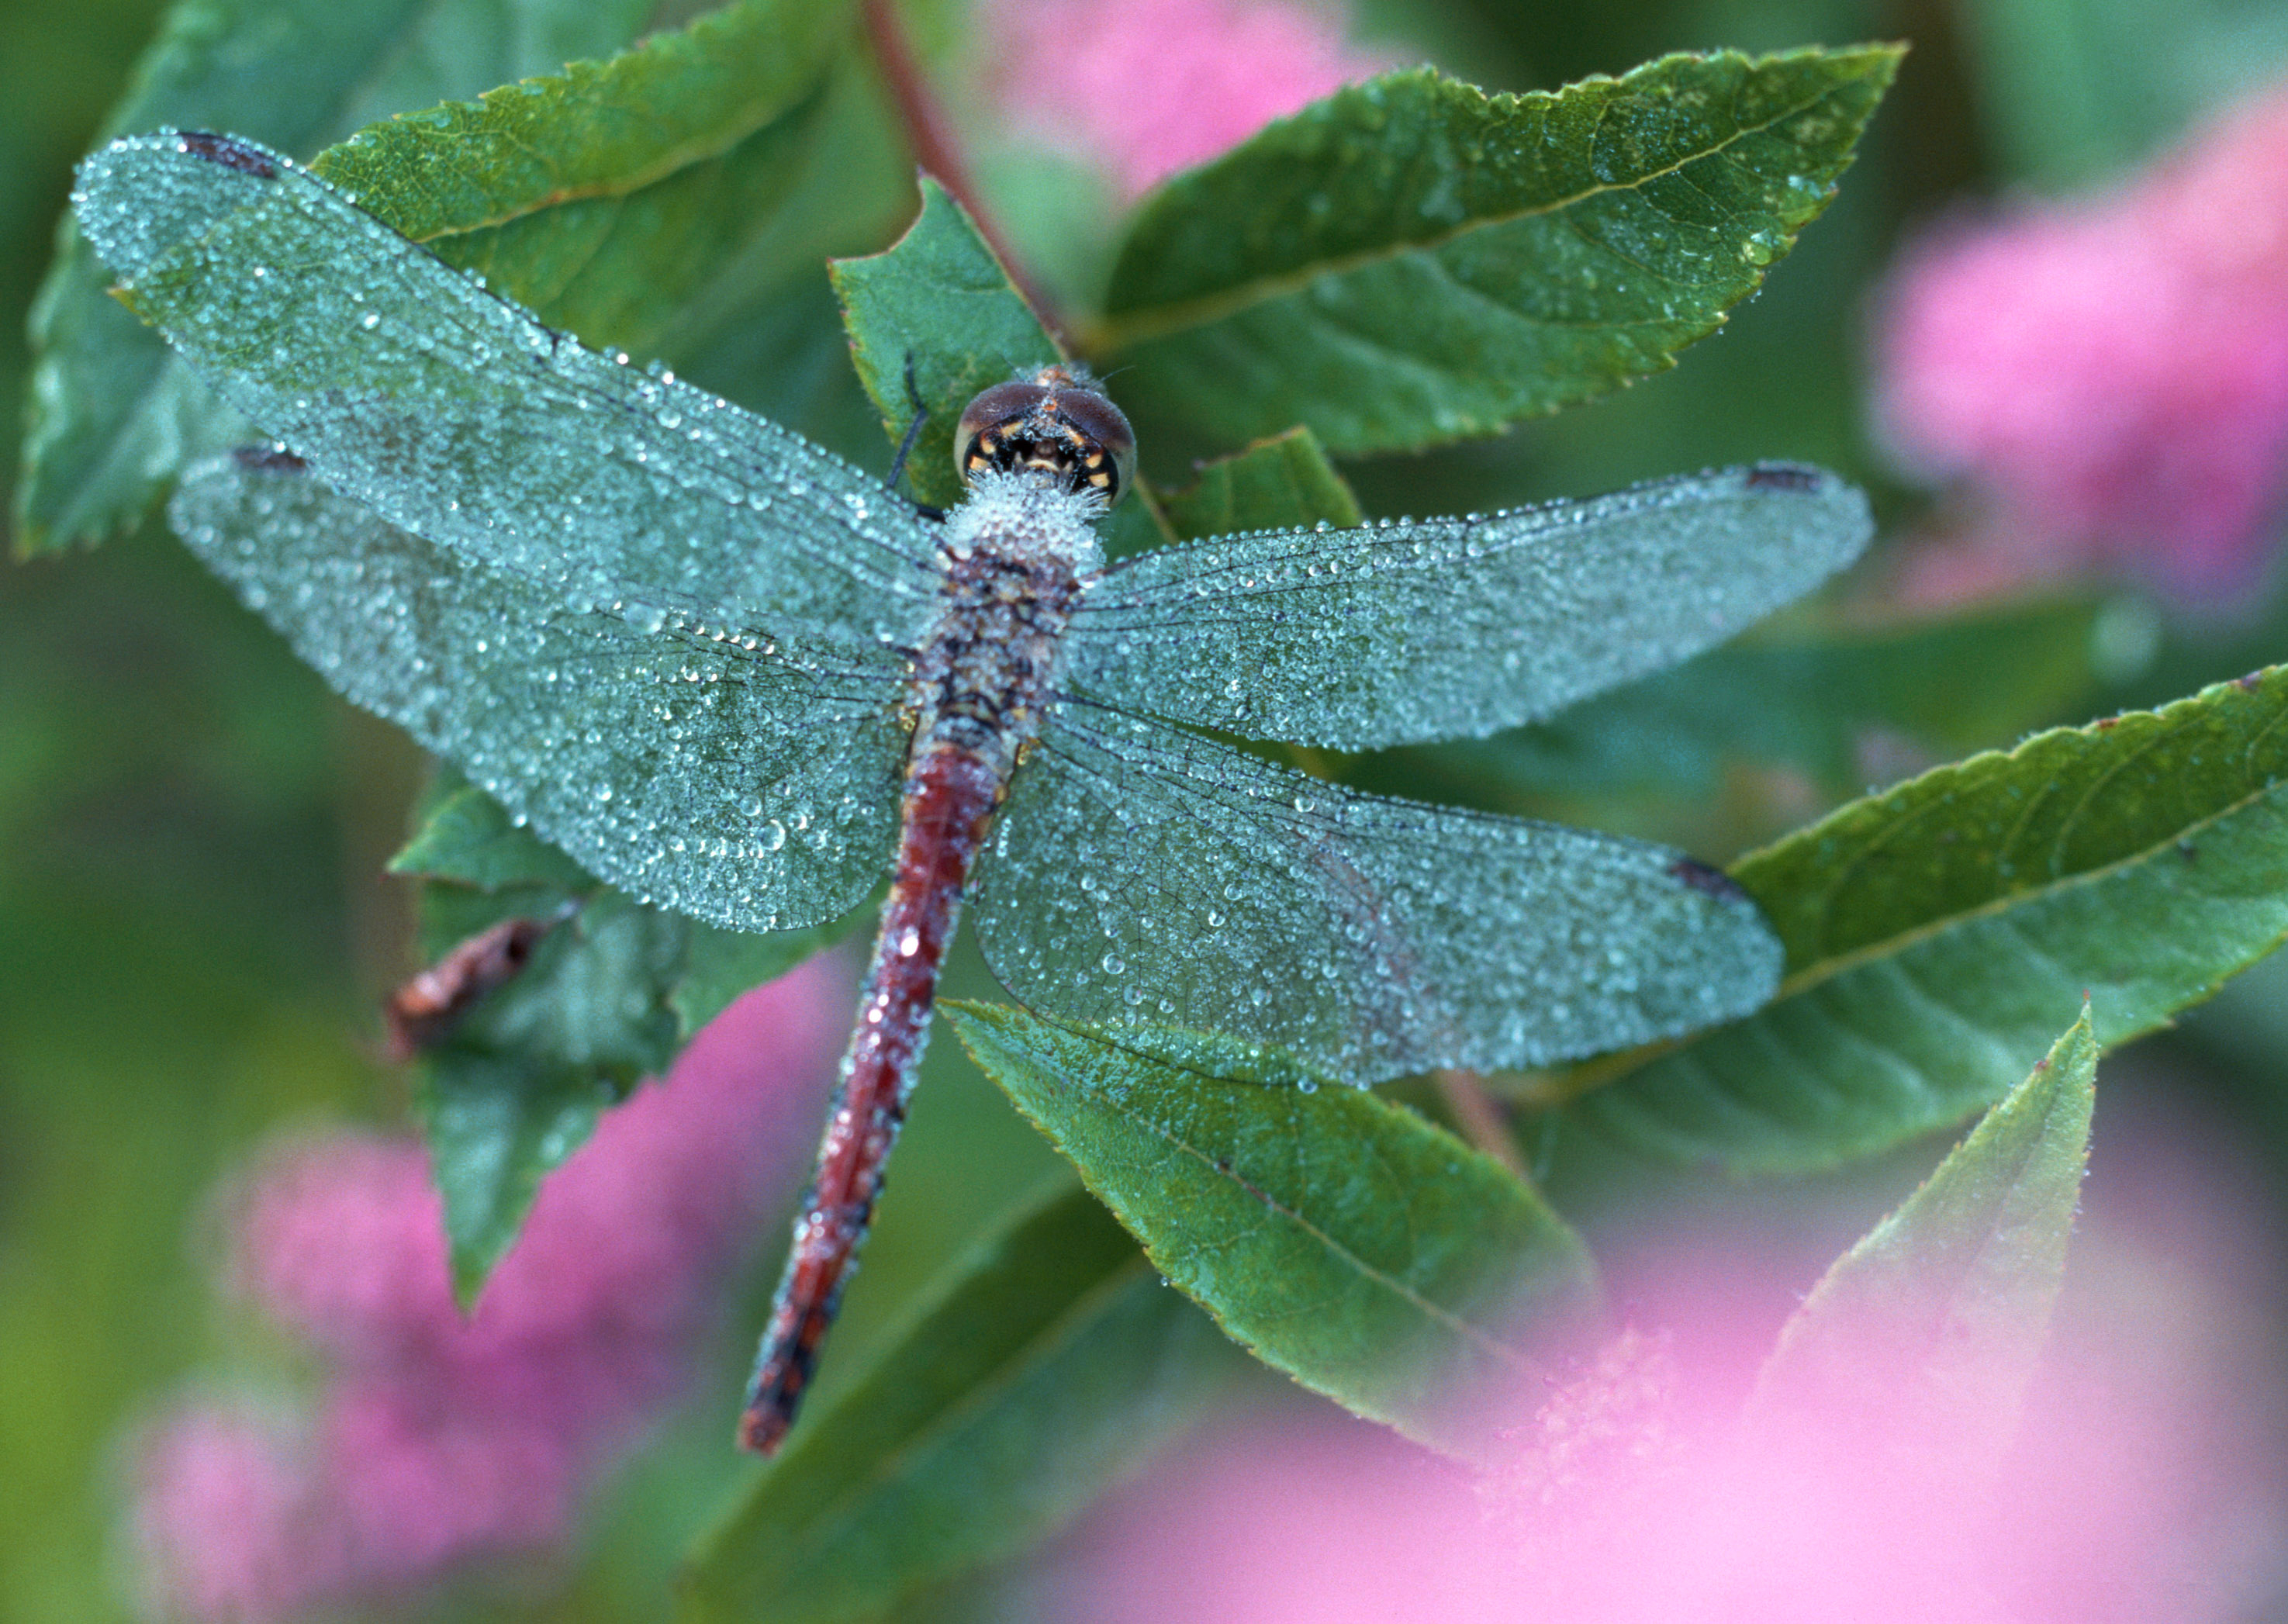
1056 424
1017 558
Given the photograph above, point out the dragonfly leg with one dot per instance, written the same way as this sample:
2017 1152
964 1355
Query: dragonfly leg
913 433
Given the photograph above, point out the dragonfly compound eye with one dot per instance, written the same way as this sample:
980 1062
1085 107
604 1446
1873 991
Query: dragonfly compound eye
1055 421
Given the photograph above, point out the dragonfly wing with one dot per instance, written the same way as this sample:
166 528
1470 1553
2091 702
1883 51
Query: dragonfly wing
747 782
452 413
1143 876
1450 628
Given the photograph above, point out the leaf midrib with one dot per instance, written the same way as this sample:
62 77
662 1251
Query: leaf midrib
1434 1312
1151 321
1594 1075
671 162
1889 947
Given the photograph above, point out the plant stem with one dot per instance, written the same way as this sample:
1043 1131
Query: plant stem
936 149
1479 1117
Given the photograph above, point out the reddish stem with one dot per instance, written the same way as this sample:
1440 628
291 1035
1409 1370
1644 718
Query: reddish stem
935 148
1479 1117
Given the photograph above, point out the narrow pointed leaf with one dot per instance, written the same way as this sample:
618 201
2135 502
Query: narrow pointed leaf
1046 1372
1938 934
1285 482
719 964
461 834
607 998
1343 1239
1413 260
113 414
1929 1328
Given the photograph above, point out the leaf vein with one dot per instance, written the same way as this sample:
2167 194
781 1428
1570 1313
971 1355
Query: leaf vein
1128 328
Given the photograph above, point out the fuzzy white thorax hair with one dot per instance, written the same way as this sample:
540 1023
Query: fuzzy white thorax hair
1023 515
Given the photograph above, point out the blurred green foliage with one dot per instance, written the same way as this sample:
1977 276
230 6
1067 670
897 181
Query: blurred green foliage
194 931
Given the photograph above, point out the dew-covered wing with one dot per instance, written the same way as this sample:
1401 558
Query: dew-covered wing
454 414
747 781
1455 627
1141 877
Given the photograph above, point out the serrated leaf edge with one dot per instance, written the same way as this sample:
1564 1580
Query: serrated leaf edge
1556 1088
1123 329
965 1012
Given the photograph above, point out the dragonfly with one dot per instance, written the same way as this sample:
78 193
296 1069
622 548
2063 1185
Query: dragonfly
738 677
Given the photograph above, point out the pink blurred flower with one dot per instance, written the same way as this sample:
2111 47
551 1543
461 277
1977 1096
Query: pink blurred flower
435 1439
1149 87
2110 375
2140 1490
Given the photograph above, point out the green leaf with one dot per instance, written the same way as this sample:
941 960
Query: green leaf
609 998
617 270
113 414
1805 698
519 1085
1341 1238
461 834
1938 934
760 327
594 128
938 298
721 259
1045 1372
1285 482
719 964
1413 260
1931 1326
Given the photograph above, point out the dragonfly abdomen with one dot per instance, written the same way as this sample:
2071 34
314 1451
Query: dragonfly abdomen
980 686
950 796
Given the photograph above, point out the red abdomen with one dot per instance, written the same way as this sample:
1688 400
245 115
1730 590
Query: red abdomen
950 796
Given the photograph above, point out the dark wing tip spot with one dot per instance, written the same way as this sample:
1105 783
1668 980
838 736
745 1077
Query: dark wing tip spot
1785 477
1707 880
230 152
268 459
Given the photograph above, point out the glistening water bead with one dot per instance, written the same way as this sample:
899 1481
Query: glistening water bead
725 670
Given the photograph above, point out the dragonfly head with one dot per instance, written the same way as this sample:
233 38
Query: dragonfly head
1056 421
